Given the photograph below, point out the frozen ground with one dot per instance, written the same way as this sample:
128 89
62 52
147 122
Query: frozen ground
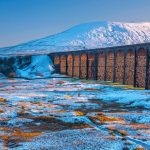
63 113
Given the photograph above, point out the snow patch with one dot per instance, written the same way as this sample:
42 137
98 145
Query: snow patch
41 67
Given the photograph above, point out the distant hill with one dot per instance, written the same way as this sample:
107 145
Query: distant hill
86 36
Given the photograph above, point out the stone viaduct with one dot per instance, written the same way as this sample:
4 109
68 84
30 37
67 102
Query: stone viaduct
127 65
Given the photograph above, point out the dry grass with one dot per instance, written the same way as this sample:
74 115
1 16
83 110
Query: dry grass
1 111
2 99
79 113
104 119
20 113
90 89
139 126
26 135
67 96
139 148
122 132
60 82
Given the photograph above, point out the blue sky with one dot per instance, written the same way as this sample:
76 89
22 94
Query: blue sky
24 20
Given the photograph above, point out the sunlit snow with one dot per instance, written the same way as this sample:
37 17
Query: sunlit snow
86 36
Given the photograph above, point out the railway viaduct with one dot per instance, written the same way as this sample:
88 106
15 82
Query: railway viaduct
129 65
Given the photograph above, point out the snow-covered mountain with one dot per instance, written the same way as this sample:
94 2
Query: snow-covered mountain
86 36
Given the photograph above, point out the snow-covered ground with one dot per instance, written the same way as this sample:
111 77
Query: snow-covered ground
61 113
86 36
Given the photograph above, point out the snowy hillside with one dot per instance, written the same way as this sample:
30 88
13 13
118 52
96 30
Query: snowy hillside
40 67
29 67
86 36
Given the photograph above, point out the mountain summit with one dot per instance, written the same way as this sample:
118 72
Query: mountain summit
86 36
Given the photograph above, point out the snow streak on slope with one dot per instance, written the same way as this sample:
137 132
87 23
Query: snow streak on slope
86 36
30 67
40 67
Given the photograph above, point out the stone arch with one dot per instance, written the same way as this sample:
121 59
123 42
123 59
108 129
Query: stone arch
83 66
69 64
141 68
119 66
63 66
76 65
56 60
129 72
57 64
110 65
91 66
101 66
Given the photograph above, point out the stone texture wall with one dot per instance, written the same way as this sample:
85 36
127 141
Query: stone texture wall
56 60
124 70
119 66
129 72
76 66
83 66
57 64
110 66
101 65
91 66
141 68
69 64
63 64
